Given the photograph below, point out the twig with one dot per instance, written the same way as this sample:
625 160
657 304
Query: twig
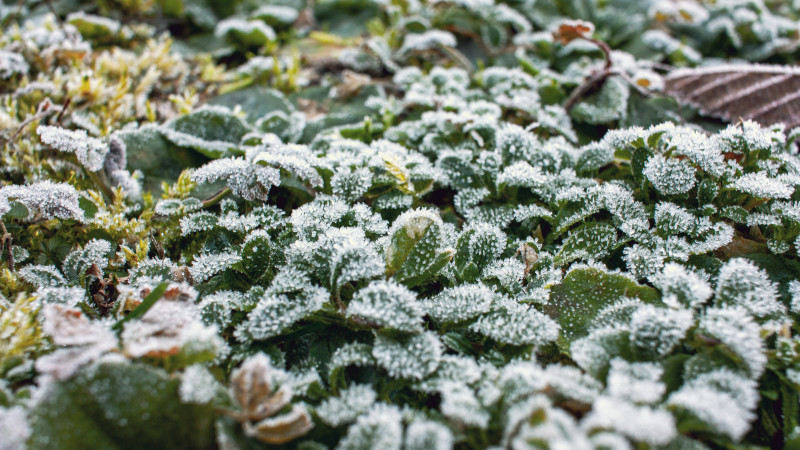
5 241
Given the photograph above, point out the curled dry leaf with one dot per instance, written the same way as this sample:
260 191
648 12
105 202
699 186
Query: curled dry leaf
253 389
767 94
570 30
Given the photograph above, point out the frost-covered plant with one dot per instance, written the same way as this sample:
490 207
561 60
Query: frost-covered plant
437 225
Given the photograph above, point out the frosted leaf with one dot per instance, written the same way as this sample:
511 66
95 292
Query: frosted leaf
245 180
413 357
673 219
197 385
381 427
206 265
12 64
460 404
387 304
720 398
428 435
78 261
681 287
352 258
736 329
218 308
290 298
173 325
639 423
592 241
275 14
570 382
593 352
794 291
669 176
348 406
45 198
593 157
469 197
558 429
314 218
69 296
521 174
698 148
211 130
642 262
480 243
429 40
351 354
607 105
452 368
656 331
520 379
294 158
742 283
460 303
152 271
245 32
508 273
42 276
81 341
14 426
532 211
197 222
512 323
636 382
748 136
91 152
351 185
760 185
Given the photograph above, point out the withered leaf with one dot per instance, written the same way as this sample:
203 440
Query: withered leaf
767 94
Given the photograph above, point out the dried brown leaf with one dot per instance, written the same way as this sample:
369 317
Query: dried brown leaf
767 94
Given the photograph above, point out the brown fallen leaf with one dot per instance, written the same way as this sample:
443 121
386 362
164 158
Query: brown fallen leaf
766 94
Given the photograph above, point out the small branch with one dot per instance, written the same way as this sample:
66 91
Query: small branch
5 241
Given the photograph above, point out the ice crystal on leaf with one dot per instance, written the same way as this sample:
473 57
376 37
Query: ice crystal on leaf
460 404
348 406
413 357
637 382
428 435
172 326
516 324
722 399
91 152
737 330
290 298
197 385
639 423
670 176
46 199
80 341
656 331
207 265
460 303
387 304
381 427
14 427
760 185
742 283
681 287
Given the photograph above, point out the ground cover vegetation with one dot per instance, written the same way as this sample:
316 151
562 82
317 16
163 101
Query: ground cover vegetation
398 224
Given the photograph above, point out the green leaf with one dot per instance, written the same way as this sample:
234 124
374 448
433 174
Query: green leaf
584 292
211 131
416 252
119 406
